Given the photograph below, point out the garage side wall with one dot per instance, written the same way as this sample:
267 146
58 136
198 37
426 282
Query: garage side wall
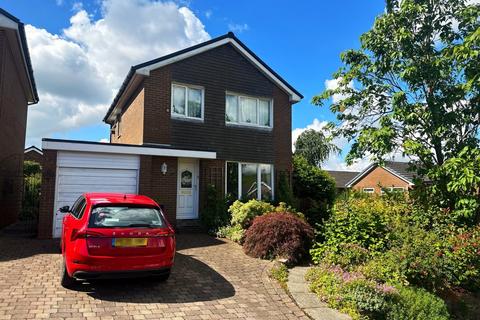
154 184
47 197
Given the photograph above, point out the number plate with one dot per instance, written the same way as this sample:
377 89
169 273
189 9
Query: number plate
129 242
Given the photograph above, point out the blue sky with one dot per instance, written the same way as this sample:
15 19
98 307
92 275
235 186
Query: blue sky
301 40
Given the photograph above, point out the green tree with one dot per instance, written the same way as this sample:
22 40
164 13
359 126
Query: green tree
313 189
314 147
413 86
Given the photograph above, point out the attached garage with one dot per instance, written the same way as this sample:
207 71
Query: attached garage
79 172
74 167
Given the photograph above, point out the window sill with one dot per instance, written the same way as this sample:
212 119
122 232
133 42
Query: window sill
187 119
247 126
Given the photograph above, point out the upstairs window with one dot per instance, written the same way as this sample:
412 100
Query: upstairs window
248 111
187 101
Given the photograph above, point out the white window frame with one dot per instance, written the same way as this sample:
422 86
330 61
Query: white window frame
368 190
246 124
259 178
392 189
187 87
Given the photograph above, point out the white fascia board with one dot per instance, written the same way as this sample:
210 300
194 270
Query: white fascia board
119 149
6 22
33 149
146 70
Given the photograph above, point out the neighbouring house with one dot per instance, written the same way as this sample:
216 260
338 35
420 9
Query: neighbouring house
212 114
17 92
33 154
391 176
342 178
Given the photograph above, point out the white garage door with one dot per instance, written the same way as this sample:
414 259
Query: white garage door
79 172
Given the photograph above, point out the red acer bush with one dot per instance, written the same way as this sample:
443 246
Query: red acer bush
281 235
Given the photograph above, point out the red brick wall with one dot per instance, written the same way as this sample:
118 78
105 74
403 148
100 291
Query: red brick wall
162 188
157 107
13 119
34 156
378 178
47 197
282 133
131 121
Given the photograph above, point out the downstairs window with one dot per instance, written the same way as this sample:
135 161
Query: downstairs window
249 181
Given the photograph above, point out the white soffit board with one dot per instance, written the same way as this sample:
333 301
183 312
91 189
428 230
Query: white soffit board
122 149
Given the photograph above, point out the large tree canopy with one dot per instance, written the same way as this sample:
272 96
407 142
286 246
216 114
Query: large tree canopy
414 84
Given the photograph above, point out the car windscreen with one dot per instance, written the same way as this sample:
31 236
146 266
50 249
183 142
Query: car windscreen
125 216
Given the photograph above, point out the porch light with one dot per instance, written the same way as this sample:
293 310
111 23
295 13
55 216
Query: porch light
164 168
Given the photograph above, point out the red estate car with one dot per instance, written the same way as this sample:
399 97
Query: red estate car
109 235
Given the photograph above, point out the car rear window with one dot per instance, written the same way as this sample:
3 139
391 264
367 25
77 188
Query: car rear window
125 216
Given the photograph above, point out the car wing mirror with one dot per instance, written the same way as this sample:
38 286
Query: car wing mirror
65 209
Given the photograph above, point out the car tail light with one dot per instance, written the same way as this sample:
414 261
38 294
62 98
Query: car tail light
78 234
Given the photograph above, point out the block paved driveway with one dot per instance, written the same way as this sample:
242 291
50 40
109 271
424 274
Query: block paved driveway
212 279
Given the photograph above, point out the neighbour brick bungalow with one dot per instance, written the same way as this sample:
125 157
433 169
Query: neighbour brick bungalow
212 114
392 176
17 92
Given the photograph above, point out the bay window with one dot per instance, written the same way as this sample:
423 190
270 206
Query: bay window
187 101
249 181
246 110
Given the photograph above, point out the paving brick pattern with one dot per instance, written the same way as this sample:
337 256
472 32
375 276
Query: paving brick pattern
212 279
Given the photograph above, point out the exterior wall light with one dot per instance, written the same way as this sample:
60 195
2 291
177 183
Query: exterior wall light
164 168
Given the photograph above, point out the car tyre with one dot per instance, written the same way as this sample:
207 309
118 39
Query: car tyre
67 281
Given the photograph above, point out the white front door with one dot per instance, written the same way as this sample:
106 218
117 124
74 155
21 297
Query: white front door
187 189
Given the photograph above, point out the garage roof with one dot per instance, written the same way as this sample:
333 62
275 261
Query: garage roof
101 147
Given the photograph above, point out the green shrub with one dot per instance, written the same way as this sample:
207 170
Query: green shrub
417 303
364 222
348 255
462 257
235 233
244 213
284 191
350 292
418 259
313 189
215 213
279 272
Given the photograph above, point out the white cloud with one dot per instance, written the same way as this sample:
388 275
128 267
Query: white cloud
104 140
238 27
332 84
79 71
208 14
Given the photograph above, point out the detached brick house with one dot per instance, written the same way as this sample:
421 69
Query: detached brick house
392 176
17 92
212 114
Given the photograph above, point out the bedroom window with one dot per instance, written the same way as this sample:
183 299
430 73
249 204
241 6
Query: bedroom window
243 181
248 111
187 102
